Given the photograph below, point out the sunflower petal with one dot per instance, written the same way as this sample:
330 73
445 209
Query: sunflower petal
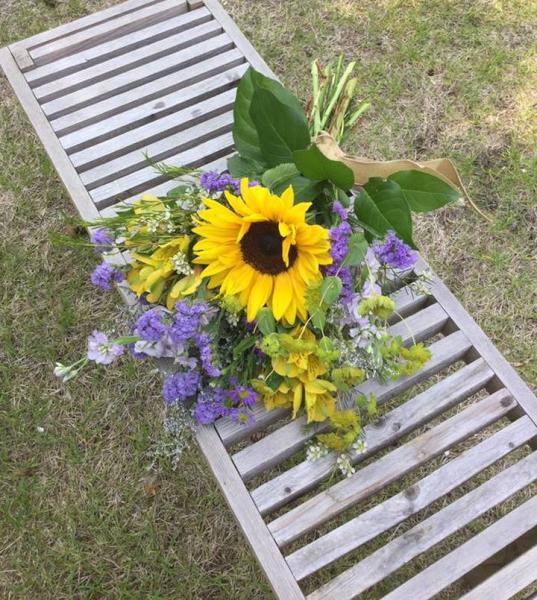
259 295
283 292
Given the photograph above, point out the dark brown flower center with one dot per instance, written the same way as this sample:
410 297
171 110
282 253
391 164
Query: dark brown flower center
262 248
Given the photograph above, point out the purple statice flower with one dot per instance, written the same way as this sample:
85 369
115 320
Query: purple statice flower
210 405
340 210
203 342
394 253
150 326
339 242
101 238
104 274
181 386
101 349
188 320
214 183
345 274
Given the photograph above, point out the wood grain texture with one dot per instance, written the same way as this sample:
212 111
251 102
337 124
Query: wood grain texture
395 510
391 467
248 517
431 531
510 580
307 474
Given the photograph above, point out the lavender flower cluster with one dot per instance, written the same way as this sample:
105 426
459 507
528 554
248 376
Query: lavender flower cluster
394 253
339 248
215 183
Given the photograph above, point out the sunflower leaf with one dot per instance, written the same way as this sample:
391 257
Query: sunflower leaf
265 321
239 166
245 133
424 192
381 207
314 164
282 129
331 289
357 250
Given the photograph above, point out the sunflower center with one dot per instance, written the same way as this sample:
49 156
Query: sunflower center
262 248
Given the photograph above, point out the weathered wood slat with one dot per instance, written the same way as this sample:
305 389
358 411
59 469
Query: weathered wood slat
422 325
431 531
106 70
248 518
145 93
39 76
232 432
307 474
505 372
20 49
213 142
121 24
510 580
288 439
123 152
375 476
396 509
408 301
146 73
143 179
147 114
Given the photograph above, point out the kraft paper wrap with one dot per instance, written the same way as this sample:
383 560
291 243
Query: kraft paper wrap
364 168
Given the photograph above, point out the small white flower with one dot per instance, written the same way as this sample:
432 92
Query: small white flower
344 464
181 265
40 429
316 451
360 446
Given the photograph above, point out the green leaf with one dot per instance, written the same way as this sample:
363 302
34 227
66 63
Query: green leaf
424 192
279 178
239 166
281 129
274 380
357 250
265 321
331 289
245 134
381 206
243 345
318 318
314 164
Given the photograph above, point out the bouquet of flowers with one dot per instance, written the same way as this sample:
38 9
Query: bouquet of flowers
267 284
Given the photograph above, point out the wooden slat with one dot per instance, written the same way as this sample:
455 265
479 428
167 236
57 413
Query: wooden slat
304 476
106 70
232 432
119 154
408 301
105 30
248 518
146 73
505 372
20 48
60 68
375 476
421 325
396 509
421 538
70 179
510 580
168 104
145 178
291 437
145 94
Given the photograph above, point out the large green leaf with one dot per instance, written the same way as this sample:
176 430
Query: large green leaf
238 166
245 134
424 192
381 207
357 250
281 129
314 164
279 178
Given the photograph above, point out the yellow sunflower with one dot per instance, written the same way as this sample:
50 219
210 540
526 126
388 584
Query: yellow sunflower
261 250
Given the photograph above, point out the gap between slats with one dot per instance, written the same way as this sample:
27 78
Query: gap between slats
144 179
112 48
285 441
399 422
147 73
122 154
107 69
430 532
389 468
118 105
151 112
388 514
120 24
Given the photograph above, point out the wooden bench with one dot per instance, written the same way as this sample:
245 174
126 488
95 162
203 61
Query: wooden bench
160 76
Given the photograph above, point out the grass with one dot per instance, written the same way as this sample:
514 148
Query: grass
81 514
